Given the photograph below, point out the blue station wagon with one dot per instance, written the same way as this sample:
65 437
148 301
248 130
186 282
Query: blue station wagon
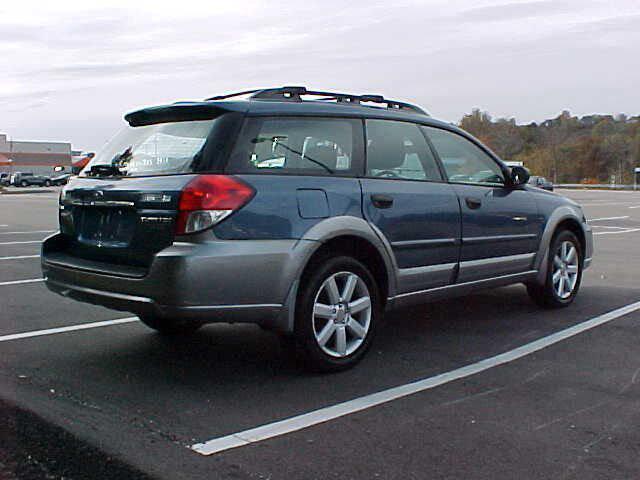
309 213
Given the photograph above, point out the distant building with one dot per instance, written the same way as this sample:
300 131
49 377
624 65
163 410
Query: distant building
37 157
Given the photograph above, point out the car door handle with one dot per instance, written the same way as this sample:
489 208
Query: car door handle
473 203
381 201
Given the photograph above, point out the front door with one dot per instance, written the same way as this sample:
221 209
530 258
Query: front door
407 200
499 223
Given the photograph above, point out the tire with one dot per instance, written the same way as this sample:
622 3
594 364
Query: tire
47 183
335 336
548 295
169 327
24 183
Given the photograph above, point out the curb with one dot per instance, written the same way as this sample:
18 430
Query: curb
26 191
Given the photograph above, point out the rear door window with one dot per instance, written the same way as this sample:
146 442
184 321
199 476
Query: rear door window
399 150
294 145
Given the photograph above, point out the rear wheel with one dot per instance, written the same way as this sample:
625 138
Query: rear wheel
564 273
337 312
169 326
47 183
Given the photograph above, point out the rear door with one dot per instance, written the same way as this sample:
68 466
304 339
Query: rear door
499 223
405 197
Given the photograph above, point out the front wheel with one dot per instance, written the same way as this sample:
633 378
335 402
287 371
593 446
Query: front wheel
24 183
47 183
564 273
169 326
337 313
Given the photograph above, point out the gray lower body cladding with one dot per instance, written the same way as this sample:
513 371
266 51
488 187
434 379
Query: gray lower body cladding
214 281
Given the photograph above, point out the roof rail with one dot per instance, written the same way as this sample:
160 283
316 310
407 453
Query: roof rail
293 93
230 95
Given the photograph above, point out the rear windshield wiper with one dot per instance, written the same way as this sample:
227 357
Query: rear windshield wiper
104 171
116 169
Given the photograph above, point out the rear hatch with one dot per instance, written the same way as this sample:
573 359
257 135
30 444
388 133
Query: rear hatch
121 221
123 207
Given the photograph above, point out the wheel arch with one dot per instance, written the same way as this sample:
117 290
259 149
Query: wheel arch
351 236
564 218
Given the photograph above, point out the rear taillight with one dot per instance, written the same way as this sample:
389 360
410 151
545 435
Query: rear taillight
208 199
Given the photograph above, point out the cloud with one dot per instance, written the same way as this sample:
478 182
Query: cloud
620 25
514 11
87 63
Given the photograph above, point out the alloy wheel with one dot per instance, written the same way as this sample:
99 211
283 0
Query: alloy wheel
566 265
341 314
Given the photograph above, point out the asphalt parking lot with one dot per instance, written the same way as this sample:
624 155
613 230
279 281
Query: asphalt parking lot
565 407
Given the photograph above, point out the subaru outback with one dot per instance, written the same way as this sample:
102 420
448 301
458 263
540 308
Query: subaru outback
309 213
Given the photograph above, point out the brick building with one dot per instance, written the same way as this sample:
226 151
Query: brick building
36 157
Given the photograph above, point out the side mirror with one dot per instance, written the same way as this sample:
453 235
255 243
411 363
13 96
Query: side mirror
519 175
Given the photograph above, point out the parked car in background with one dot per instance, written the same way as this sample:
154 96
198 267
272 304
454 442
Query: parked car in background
541 182
309 217
4 179
28 179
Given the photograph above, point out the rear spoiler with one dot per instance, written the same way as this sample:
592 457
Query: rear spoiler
177 112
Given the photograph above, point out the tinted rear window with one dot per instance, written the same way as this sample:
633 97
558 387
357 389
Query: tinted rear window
287 145
159 149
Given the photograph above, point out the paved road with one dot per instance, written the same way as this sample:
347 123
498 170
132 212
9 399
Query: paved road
570 410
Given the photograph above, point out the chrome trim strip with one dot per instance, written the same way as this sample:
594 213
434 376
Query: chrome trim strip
427 269
498 238
497 260
103 203
456 285
231 307
437 242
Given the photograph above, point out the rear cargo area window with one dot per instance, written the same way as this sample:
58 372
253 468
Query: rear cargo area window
158 149
317 146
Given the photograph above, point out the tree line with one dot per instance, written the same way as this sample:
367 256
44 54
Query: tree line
566 149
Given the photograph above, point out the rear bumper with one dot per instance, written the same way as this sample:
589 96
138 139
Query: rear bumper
212 281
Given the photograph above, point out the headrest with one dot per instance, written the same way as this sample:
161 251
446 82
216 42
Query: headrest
328 156
385 153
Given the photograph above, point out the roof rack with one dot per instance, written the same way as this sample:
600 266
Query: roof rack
294 94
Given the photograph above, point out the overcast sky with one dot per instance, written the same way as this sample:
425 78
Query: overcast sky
70 69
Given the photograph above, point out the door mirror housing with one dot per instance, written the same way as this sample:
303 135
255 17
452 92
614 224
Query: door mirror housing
519 176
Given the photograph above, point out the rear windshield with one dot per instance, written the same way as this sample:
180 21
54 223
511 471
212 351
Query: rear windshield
159 149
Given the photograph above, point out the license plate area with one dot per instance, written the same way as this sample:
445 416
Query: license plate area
109 227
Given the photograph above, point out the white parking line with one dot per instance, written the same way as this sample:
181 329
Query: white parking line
617 232
4 225
70 328
19 257
19 243
635 206
322 415
603 204
18 282
608 218
31 231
